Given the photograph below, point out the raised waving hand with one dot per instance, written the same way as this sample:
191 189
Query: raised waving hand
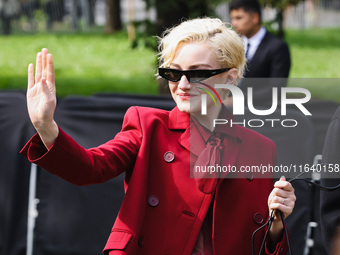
41 97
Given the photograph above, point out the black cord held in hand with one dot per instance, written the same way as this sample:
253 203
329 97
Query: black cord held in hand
315 185
269 224
271 217
318 186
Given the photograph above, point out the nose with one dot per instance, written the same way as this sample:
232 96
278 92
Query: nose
184 83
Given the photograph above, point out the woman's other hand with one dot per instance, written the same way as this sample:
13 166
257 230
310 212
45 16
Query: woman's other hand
41 97
281 198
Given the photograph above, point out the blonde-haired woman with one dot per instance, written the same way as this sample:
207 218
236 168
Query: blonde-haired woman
167 209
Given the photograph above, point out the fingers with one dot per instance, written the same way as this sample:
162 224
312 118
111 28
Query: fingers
283 184
44 68
47 87
38 67
287 210
278 201
280 193
41 65
50 69
282 197
43 85
44 52
30 81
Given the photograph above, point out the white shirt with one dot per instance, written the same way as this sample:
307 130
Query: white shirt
254 41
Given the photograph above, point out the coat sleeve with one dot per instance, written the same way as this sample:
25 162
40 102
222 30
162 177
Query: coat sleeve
281 247
81 166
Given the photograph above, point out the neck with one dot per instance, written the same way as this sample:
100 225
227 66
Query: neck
208 120
254 31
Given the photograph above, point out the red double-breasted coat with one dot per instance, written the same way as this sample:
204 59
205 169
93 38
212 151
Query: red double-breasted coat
163 209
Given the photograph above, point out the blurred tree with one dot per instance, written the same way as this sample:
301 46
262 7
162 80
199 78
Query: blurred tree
172 12
113 22
281 6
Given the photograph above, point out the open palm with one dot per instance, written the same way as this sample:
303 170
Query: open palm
41 96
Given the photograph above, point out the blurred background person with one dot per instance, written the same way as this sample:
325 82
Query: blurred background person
329 201
267 55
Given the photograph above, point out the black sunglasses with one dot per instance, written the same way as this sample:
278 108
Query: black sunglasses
192 75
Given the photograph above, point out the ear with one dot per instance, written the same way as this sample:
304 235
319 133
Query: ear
231 76
255 18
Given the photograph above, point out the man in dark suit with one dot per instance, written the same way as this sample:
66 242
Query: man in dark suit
267 55
329 201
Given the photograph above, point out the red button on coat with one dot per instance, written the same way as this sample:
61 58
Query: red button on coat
169 156
153 200
258 218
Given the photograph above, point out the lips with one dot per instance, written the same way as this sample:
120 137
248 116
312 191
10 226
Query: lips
185 96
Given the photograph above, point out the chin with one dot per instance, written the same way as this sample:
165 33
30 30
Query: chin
189 107
184 108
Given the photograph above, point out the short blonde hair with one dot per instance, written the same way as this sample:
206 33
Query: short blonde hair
226 43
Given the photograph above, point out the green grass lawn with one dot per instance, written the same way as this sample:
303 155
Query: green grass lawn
316 56
84 64
91 63
315 53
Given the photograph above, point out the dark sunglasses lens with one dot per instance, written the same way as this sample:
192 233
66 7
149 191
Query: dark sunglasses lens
199 75
172 75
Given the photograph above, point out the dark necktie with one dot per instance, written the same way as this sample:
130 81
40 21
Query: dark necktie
247 51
